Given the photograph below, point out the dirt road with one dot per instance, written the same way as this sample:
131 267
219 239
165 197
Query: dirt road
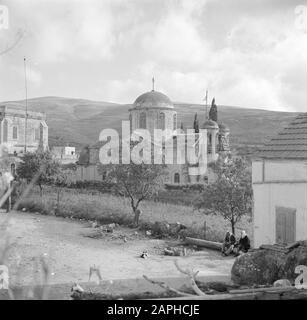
71 252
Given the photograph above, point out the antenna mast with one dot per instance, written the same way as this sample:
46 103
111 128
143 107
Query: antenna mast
26 115
206 99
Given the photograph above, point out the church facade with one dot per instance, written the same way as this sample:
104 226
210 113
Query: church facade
154 110
12 130
18 135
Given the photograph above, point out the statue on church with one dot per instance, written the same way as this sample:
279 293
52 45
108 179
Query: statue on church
196 124
213 111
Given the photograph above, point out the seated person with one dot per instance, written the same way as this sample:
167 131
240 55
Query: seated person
228 245
243 245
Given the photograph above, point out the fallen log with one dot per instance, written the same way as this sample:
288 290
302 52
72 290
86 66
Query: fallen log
204 243
272 293
264 289
293 245
274 248
296 295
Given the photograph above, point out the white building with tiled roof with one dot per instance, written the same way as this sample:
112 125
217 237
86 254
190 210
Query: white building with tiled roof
280 186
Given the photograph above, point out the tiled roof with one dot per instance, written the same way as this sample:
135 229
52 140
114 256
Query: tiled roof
290 143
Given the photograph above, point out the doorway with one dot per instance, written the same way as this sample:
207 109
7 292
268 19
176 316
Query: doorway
285 225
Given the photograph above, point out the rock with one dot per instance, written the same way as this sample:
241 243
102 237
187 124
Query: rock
264 267
94 224
282 283
175 251
295 258
77 288
108 227
160 228
257 267
172 252
175 228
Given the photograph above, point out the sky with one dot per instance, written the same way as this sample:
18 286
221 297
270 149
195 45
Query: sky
251 54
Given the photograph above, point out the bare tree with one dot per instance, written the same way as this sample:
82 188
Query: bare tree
135 181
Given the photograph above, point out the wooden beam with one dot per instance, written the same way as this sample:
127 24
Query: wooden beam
204 243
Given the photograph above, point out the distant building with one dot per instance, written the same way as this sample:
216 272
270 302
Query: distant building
280 186
154 110
12 130
65 155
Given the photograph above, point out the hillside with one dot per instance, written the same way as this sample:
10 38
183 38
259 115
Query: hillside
79 122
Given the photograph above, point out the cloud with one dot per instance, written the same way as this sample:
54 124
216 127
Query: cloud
248 55
58 31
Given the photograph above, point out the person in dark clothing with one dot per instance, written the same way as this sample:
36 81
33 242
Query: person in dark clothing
243 244
228 244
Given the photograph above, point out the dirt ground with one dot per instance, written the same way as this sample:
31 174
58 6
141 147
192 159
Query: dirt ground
71 248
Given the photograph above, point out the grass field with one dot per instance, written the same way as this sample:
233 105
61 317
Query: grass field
106 208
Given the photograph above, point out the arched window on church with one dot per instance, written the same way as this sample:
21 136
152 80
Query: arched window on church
15 132
209 143
219 146
161 121
130 120
175 121
5 130
176 177
143 120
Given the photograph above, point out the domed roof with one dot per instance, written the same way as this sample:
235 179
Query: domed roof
223 127
153 99
210 124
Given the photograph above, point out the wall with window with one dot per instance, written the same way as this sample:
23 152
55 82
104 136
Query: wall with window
12 130
151 119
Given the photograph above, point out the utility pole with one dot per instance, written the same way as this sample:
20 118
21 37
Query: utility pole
206 100
26 115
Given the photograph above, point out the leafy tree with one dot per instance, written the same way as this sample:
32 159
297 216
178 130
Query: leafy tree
135 181
37 168
231 194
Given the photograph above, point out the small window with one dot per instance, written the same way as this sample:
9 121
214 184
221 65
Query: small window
161 123
15 132
36 134
143 120
5 130
175 121
176 178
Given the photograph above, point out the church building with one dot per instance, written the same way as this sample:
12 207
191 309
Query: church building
15 140
12 130
154 110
